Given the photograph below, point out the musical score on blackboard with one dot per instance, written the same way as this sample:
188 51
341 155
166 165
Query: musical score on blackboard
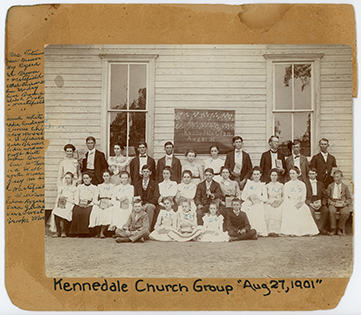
199 129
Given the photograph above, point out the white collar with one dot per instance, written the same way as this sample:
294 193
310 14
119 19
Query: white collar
313 180
324 154
169 156
92 151
237 150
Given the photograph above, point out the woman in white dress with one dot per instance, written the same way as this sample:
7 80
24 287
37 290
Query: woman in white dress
165 222
101 214
118 163
69 164
191 165
254 196
297 218
167 188
274 204
62 213
186 190
214 162
122 199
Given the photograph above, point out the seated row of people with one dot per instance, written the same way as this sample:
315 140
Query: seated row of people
272 209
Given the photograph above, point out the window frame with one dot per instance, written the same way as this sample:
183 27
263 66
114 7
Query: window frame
315 60
107 61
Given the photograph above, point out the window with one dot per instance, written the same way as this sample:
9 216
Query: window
292 102
128 97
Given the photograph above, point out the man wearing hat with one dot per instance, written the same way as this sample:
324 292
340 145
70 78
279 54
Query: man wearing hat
94 162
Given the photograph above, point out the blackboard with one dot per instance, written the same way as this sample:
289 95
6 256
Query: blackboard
199 129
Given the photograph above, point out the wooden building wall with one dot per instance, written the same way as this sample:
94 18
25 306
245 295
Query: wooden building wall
191 76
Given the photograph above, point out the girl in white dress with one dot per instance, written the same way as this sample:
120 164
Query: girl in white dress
186 190
122 199
165 222
213 226
102 210
214 162
297 218
195 168
274 204
167 188
62 213
254 196
186 228
118 163
69 164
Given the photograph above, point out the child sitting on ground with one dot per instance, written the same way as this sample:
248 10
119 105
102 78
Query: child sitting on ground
186 224
62 213
137 226
165 222
213 226
238 225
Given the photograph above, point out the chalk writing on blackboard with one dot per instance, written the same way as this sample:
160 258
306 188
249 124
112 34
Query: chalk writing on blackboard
199 129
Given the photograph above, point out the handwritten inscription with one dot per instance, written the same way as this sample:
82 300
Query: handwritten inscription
24 178
23 78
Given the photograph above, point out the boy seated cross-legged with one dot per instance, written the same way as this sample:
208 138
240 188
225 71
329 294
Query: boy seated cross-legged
137 226
238 225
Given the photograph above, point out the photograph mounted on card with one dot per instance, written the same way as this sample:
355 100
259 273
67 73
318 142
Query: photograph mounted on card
145 91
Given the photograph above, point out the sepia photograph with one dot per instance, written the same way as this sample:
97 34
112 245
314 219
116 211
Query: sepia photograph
187 161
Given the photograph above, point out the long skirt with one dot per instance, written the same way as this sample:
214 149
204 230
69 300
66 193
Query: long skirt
80 222
185 236
273 217
100 216
297 222
119 217
256 217
163 236
66 214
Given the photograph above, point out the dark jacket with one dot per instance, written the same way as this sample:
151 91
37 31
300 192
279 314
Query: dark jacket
321 193
201 193
235 223
176 168
324 169
100 165
151 194
246 171
266 166
134 169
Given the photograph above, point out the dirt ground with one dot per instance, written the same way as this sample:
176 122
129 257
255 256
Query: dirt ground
318 256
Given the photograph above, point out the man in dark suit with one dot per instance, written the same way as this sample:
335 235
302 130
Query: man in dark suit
299 160
169 160
324 162
207 191
239 163
94 162
139 161
148 191
316 199
273 158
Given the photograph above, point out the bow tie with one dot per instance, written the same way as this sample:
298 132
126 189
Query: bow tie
274 152
169 157
238 151
143 156
297 156
91 152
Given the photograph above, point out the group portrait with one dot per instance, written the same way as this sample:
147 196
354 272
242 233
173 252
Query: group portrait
196 144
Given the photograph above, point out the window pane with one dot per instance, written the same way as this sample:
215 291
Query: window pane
283 129
137 88
302 131
302 74
283 86
118 130
137 128
118 86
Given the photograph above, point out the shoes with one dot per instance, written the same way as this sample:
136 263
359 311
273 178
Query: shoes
55 235
63 235
141 240
233 239
255 237
339 232
102 236
333 232
272 234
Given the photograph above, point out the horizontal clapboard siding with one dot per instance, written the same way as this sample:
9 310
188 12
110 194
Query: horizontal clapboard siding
232 77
